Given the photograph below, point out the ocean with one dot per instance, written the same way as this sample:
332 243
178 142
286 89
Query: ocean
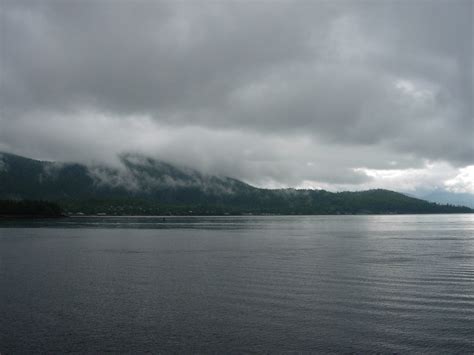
325 284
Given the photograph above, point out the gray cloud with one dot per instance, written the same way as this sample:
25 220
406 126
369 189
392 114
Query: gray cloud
273 93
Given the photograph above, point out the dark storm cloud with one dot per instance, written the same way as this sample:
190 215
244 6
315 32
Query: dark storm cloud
142 56
340 85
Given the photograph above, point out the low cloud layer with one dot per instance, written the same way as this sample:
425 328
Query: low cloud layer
329 94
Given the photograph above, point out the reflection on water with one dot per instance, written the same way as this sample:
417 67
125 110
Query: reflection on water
237 284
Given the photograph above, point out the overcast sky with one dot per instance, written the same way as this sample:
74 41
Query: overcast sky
318 94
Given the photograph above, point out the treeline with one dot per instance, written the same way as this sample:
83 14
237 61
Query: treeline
267 202
29 208
283 202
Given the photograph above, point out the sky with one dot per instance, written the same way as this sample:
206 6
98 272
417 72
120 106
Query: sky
340 95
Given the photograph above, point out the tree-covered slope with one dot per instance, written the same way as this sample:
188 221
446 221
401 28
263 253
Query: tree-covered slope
30 209
145 186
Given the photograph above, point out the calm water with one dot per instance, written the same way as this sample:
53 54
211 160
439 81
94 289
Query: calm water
243 284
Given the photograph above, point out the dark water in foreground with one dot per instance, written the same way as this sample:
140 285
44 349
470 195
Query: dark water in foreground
244 284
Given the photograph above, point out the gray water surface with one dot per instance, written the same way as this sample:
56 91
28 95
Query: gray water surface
238 284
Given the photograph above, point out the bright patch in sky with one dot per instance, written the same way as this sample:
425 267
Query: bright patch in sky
462 182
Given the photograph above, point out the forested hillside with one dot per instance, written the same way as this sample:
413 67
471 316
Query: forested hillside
143 186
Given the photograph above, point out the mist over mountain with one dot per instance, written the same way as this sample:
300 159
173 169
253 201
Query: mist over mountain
142 185
138 176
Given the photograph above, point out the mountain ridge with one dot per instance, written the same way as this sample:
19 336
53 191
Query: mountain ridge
147 186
